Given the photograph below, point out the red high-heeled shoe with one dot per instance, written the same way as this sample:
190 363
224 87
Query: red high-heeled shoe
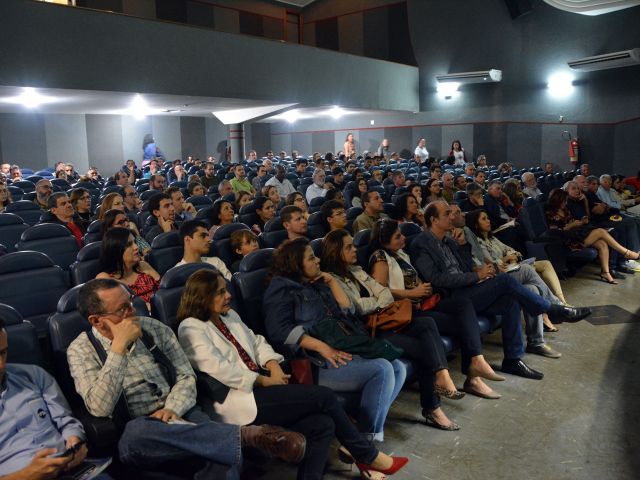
398 463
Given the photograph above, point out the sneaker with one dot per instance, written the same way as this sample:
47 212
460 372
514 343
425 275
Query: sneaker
632 265
543 351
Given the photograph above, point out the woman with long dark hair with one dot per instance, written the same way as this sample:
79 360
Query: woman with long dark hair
357 189
118 219
221 213
458 153
80 198
420 340
298 299
408 209
265 211
578 234
391 267
120 259
218 343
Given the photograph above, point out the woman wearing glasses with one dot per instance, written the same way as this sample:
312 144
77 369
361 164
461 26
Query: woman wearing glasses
81 201
118 219
120 260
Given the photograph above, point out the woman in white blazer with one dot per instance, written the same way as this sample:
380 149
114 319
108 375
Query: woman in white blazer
219 344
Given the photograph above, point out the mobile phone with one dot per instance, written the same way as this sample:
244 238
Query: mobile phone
70 451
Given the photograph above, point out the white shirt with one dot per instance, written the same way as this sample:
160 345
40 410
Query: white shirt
315 191
423 153
216 262
284 188
459 156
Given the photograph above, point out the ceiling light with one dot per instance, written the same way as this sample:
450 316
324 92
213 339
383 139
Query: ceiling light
560 85
448 90
335 112
29 98
139 108
291 116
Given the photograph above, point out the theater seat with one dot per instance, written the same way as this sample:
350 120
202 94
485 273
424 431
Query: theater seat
94 232
23 338
315 226
220 246
87 264
31 284
166 251
164 304
249 284
274 233
361 242
11 228
25 209
315 204
316 246
410 231
52 239
199 202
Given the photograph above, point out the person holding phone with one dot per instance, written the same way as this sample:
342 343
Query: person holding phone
39 436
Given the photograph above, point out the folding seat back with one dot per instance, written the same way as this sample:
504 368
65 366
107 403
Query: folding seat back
316 246
16 193
25 209
11 228
199 202
352 214
144 196
94 232
315 226
24 346
87 264
249 284
220 247
165 302
52 239
315 204
25 185
361 242
248 215
410 231
166 251
31 284
143 187
61 183
179 184
302 188
390 209
459 196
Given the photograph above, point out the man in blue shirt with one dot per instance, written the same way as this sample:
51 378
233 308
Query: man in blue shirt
35 422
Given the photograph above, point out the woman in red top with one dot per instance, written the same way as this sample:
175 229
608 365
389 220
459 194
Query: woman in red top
120 259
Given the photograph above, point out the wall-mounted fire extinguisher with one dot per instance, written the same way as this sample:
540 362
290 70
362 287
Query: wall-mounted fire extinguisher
574 147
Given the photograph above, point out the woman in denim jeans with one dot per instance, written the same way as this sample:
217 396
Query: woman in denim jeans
299 296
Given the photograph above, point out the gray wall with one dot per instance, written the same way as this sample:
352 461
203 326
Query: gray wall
103 51
107 141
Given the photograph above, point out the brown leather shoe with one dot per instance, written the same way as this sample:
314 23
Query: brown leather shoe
278 442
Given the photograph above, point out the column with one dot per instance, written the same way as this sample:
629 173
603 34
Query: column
236 142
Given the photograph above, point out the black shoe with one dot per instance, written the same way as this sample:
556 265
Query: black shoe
519 368
623 269
569 314
617 275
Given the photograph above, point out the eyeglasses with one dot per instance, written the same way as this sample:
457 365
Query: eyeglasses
339 213
120 312
124 221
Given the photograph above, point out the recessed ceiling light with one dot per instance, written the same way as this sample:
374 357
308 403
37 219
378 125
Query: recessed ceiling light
335 112
29 98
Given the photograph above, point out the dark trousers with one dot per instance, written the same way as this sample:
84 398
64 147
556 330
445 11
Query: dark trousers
504 296
457 318
422 345
315 412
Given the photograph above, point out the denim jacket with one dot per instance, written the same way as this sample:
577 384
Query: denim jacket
292 309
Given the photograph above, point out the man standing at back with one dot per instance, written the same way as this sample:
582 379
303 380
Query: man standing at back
133 369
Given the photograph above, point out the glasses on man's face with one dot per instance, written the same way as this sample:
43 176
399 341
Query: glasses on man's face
122 311
339 213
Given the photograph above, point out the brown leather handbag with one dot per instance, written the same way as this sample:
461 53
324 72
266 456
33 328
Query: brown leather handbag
393 317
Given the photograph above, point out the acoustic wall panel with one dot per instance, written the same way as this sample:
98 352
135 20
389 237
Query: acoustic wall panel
626 148
66 138
216 134
166 132
489 139
303 143
200 14
376 35
323 141
596 145
22 136
327 34
133 132
370 139
524 144
193 137
401 140
350 29
226 20
104 142
554 148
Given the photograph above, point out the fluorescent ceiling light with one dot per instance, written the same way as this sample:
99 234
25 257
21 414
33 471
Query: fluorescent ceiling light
291 116
560 85
139 108
448 90
29 98
335 112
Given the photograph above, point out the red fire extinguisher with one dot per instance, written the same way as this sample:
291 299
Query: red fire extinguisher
574 150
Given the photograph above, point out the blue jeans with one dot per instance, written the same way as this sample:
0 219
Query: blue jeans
379 382
148 443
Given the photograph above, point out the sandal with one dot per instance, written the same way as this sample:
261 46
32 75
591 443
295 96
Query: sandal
627 255
605 279
551 329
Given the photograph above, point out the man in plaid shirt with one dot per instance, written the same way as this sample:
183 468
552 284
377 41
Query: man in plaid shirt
164 423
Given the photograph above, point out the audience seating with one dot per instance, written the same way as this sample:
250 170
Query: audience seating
220 246
25 209
316 246
315 226
410 231
164 304
249 284
166 251
22 336
15 192
199 202
11 228
52 239
31 284
315 204
87 264
361 242
274 233
25 185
